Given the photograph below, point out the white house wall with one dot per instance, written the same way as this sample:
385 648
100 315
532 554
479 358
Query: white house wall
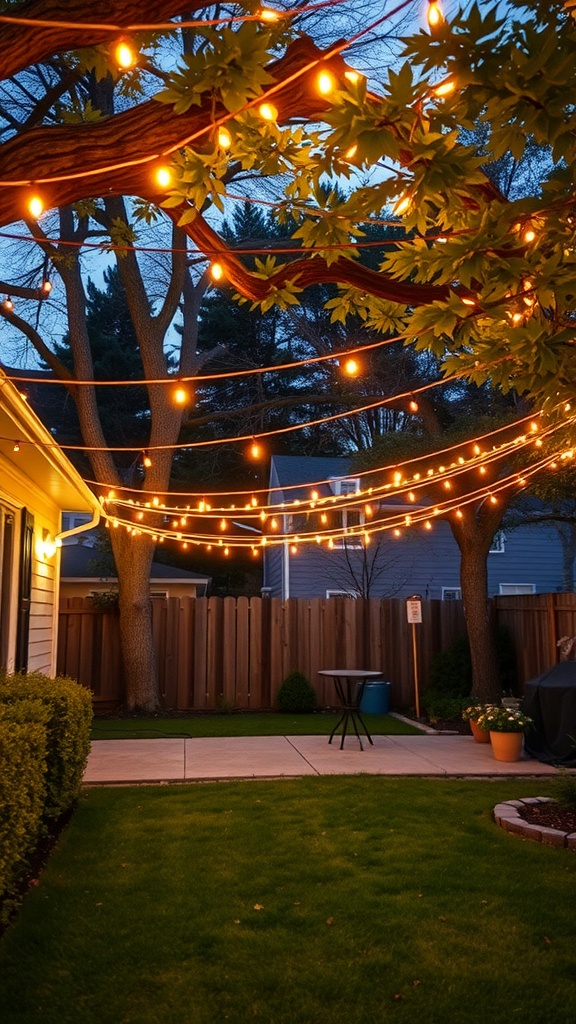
18 491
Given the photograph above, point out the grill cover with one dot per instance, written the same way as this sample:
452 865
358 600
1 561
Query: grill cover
550 700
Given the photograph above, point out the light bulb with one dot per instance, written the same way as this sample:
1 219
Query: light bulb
125 56
224 138
216 271
326 83
268 112
435 15
267 14
351 367
180 395
163 177
35 207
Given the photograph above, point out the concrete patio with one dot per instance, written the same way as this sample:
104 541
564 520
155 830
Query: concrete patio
269 757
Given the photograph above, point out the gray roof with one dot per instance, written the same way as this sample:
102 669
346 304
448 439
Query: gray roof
77 563
308 469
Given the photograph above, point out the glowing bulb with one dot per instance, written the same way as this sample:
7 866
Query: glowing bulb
351 367
16 447
224 138
267 14
35 207
445 88
125 56
163 177
435 15
529 235
268 112
314 496
402 206
8 304
325 83
467 302
350 153
413 406
217 271
255 450
180 395
46 286
146 460
223 524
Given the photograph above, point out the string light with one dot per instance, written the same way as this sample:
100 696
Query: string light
146 460
268 112
163 177
16 447
8 304
435 15
180 395
35 207
326 83
224 138
351 367
125 56
216 271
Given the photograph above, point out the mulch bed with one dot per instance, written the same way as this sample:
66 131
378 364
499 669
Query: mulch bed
549 815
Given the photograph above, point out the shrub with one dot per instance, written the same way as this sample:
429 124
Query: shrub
22 787
451 669
69 717
296 695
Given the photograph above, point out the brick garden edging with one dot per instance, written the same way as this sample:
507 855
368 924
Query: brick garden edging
506 815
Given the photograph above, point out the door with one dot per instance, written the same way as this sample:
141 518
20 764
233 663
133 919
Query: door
24 591
6 564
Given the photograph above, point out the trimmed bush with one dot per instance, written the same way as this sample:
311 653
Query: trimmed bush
22 786
69 717
296 695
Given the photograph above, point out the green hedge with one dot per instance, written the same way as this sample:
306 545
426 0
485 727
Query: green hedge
22 786
69 717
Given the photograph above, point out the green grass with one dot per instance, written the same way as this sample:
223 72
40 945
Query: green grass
241 724
380 900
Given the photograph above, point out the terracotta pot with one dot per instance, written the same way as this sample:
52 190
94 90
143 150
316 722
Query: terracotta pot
480 735
506 746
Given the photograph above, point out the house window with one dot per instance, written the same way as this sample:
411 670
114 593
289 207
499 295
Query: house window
349 486
497 546
517 588
341 593
451 594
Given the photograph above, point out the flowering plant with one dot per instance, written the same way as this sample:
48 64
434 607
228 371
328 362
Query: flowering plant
499 719
473 711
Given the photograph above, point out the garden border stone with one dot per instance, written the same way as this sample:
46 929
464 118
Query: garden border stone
506 815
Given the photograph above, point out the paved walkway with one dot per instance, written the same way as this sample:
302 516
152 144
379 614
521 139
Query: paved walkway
271 757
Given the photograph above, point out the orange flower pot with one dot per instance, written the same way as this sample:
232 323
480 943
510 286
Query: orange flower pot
506 746
480 735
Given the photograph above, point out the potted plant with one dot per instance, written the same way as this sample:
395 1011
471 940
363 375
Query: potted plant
471 714
506 727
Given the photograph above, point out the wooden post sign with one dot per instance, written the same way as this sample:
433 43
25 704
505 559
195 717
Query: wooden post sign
414 612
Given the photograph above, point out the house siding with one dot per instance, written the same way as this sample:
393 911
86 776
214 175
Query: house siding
418 561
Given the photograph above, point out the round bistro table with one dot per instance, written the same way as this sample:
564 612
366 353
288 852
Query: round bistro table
350 683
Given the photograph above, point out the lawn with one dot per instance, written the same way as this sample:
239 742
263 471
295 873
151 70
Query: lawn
239 724
311 901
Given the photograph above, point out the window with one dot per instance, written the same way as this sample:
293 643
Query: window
451 594
341 593
497 546
349 486
517 588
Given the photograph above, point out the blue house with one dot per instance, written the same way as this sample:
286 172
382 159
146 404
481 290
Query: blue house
523 560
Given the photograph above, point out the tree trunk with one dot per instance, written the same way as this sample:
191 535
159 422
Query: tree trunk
133 558
486 684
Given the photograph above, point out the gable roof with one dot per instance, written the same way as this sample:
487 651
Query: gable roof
77 563
40 455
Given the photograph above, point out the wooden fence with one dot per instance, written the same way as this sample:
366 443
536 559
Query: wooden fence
234 652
